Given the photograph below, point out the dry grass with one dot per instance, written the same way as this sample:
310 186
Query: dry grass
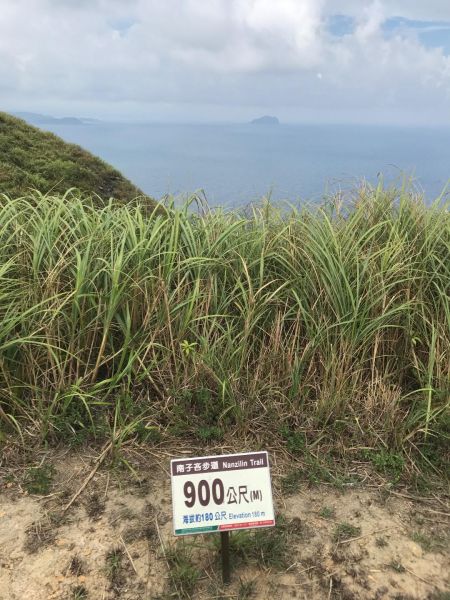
120 322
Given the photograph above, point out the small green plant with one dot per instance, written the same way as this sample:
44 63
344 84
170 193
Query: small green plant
396 566
264 547
313 473
295 440
71 416
291 483
246 589
209 434
317 472
345 531
424 541
198 411
187 347
388 463
434 450
271 546
183 573
421 482
76 566
380 542
327 512
113 566
38 480
151 434
79 592
127 422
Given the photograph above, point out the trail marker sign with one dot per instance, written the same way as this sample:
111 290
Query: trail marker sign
221 493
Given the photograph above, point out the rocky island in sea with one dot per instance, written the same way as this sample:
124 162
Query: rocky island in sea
266 120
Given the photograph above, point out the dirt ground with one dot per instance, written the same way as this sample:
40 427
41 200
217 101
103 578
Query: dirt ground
115 540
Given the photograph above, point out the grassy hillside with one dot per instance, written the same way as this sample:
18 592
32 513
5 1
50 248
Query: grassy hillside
33 159
328 324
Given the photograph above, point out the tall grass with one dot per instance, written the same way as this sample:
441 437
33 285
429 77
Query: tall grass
334 319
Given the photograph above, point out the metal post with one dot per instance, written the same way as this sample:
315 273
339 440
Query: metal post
225 551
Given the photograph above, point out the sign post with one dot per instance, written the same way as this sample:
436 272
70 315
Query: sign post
225 552
219 494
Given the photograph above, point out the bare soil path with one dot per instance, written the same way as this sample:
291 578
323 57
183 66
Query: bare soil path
115 541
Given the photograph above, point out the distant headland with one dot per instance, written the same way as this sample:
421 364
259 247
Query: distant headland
266 120
38 119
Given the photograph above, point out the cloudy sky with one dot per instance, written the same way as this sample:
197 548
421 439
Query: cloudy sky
228 60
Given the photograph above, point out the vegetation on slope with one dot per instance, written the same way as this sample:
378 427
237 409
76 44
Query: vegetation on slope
34 159
332 321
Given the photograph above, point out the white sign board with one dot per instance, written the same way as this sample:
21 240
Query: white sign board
220 493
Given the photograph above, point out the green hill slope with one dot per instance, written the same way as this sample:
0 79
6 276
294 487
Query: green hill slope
31 158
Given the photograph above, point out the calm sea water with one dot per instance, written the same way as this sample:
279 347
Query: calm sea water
236 164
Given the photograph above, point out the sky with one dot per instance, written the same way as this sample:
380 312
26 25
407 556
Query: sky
357 61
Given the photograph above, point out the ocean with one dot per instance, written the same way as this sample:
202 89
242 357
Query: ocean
234 165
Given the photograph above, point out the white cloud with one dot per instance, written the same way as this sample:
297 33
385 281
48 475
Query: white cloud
71 56
427 10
